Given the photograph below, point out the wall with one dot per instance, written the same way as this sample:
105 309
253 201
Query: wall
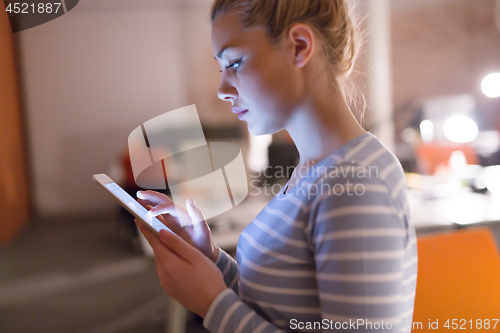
96 73
444 47
14 195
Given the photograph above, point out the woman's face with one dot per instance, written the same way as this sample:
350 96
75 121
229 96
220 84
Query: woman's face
256 75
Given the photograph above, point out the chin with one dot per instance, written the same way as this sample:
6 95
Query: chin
260 130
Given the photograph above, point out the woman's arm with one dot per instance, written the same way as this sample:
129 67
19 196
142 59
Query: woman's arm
363 249
227 314
229 269
363 255
360 245
195 282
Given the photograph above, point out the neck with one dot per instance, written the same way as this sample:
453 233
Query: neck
321 125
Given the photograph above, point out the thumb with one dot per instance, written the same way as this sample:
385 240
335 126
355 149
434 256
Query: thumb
179 246
194 212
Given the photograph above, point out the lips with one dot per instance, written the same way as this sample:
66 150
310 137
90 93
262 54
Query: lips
239 111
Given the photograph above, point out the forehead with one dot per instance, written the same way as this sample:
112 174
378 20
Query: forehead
228 31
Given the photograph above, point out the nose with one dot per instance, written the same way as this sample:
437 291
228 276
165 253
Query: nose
227 92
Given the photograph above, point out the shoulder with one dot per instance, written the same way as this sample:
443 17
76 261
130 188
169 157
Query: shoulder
349 185
365 166
351 195
362 171
371 156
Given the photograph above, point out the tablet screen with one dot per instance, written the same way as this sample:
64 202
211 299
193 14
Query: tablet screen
135 206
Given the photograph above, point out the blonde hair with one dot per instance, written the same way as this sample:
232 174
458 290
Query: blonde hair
330 19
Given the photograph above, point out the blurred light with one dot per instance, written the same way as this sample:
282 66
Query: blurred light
457 160
491 178
258 156
460 129
487 142
427 130
466 208
408 135
491 85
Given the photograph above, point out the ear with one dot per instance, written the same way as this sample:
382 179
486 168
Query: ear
302 39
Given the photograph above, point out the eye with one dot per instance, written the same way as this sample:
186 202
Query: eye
235 65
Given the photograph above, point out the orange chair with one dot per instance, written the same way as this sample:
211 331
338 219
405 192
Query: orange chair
431 154
458 278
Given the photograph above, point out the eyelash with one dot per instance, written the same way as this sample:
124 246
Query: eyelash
232 65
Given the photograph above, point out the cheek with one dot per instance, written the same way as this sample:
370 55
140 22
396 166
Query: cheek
280 83
269 89
256 91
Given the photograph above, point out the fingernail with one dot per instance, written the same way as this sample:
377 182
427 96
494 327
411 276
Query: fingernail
192 203
138 193
163 234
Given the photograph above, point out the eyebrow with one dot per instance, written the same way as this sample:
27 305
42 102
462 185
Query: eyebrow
219 55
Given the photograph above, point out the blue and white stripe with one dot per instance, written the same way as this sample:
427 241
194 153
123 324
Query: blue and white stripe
325 256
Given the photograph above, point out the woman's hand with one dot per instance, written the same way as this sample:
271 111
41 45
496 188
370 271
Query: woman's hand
197 233
185 273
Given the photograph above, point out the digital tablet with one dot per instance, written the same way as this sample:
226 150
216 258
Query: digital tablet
130 204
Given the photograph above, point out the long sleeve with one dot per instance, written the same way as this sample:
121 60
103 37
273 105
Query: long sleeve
359 252
227 313
229 269
338 252
361 244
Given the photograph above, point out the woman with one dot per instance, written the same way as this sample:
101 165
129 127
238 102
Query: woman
335 249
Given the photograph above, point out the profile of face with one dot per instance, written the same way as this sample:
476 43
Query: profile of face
257 75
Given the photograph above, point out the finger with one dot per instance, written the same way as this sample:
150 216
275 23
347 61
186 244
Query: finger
169 220
180 214
162 220
153 196
145 203
194 212
148 234
165 208
179 246
162 252
148 207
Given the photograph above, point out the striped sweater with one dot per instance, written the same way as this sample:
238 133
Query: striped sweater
335 252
